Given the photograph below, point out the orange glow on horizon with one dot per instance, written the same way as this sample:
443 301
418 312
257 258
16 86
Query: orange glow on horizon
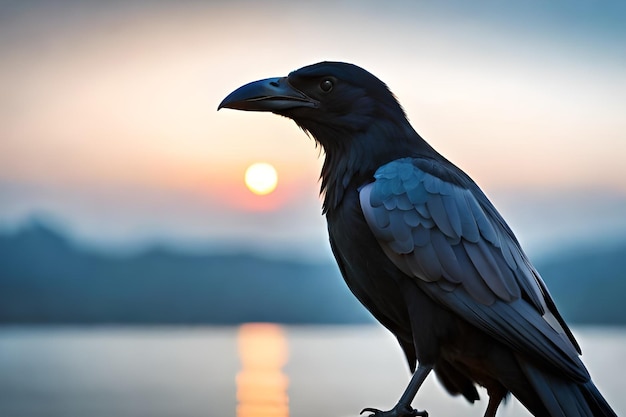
228 189
222 184
261 384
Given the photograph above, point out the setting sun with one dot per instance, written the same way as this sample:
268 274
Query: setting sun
261 178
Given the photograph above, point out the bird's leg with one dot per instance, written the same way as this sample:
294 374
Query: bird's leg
496 395
403 407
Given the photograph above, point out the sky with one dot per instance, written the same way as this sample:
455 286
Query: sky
109 128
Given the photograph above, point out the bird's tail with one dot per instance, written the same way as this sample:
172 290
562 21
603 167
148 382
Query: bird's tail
559 397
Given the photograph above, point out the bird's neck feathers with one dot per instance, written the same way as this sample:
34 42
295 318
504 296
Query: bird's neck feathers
352 156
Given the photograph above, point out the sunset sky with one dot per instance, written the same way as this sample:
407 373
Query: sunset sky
109 128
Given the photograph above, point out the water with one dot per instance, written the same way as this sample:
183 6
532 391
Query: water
247 371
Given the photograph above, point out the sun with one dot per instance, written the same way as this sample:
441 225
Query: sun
261 178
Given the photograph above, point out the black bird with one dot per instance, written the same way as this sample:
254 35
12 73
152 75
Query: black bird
426 252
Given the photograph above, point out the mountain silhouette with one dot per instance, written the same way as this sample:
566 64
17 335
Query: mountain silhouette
47 278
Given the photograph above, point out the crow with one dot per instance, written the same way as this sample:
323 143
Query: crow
424 250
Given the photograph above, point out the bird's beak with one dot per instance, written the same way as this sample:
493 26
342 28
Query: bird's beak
271 94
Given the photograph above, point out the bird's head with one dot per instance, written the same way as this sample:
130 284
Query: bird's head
349 111
327 99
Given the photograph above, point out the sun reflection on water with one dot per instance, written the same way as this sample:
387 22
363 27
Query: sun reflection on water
261 383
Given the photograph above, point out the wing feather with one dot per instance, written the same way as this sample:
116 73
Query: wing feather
428 260
469 228
487 268
471 279
421 235
437 210
485 227
452 210
452 271
506 251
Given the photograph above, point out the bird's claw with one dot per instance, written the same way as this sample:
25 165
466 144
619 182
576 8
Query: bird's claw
397 411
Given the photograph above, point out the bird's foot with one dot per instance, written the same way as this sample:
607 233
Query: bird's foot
400 410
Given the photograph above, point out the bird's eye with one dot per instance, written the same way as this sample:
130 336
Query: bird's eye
326 85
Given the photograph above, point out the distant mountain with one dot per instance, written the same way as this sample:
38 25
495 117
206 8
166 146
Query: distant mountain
45 278
589 283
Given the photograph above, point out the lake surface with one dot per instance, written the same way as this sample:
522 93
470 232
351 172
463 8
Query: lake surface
247 371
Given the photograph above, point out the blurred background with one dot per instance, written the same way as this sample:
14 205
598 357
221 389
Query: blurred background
123 198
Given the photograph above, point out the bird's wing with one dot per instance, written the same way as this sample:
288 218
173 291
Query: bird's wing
436 225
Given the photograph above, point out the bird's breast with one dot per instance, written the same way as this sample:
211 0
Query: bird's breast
367 271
